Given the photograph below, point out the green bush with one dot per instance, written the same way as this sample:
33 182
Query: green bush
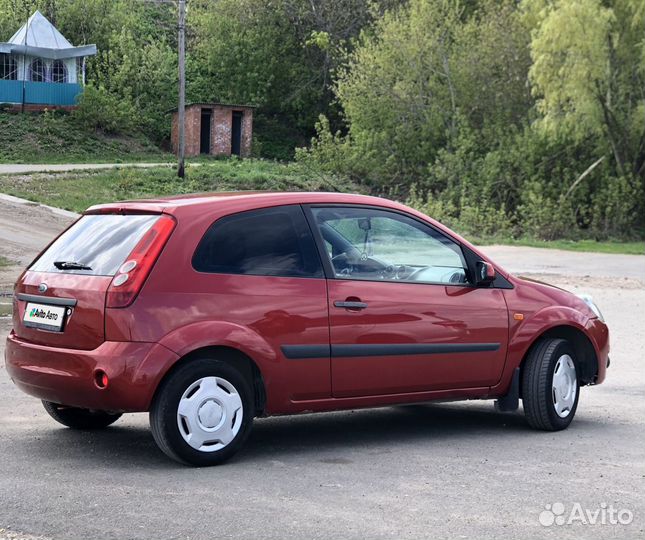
543 217
618 209
274 139
101 110
476 222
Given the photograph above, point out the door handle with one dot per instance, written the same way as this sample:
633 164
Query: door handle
350 304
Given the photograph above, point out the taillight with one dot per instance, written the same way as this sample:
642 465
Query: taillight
129 279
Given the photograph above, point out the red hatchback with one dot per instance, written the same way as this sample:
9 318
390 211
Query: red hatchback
210 310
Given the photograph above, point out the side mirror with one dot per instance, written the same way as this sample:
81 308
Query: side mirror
484 273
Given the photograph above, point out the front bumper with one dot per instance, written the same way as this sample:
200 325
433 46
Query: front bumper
599 333
67 376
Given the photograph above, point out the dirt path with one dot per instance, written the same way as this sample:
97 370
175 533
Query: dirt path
530 260
24 230
11 168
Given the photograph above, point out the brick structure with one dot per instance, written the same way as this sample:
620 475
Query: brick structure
217 129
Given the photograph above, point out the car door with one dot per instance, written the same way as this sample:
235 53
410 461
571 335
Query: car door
403 316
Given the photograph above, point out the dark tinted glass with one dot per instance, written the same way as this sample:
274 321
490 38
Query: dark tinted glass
267 242
101 242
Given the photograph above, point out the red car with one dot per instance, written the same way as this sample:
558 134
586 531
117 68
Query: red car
210 310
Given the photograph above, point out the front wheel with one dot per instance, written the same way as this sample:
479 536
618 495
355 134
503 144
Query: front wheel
550 386
202 413
75 418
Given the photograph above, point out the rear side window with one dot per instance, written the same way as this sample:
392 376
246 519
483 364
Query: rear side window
98 242
267 242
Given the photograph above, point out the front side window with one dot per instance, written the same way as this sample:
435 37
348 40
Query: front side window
372 244
37 71
267 242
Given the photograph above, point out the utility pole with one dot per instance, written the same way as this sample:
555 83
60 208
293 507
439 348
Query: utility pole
182 87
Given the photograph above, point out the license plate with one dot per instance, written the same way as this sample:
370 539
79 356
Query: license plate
44 316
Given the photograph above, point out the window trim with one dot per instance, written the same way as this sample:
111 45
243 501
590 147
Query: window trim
259 209
326 262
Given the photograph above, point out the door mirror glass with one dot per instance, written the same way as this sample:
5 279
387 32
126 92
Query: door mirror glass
485 273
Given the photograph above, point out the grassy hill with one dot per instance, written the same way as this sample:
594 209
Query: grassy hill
56 137
79 189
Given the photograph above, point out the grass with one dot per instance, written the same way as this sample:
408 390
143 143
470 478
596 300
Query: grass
629 248
4 261
55 137
79 189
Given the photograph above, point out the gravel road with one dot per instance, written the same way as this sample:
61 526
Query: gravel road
454 470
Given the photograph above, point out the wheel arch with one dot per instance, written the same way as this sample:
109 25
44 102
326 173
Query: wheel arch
586 355
235 358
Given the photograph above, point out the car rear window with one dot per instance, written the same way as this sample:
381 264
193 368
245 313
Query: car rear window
268 242
100 242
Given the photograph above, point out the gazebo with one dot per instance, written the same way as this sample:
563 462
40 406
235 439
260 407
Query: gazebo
40 68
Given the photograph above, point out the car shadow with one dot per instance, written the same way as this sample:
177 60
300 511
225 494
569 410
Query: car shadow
131 446
406 424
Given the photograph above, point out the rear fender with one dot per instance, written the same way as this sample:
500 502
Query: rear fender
218 333
192 337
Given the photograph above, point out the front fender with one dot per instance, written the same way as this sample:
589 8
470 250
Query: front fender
529 330
524 333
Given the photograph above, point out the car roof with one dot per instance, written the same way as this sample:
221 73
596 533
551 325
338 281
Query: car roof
248 199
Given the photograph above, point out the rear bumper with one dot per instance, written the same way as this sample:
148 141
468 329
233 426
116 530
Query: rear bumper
67 376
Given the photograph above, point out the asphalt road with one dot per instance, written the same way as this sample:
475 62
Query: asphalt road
453 470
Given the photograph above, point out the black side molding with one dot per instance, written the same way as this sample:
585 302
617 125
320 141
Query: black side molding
294 352
47 300
303 352
404 349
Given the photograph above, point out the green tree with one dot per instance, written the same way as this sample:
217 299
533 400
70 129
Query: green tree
279 55
588 74
398 90
427 73
491 64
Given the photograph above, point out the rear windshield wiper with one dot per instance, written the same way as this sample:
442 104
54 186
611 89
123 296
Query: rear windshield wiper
71 265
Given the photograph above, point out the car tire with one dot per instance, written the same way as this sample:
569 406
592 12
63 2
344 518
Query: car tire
202 413
75 418
550 385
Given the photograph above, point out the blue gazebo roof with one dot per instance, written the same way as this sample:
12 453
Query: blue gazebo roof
39 37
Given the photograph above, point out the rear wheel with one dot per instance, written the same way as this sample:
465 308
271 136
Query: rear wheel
202 413
550 386
80 418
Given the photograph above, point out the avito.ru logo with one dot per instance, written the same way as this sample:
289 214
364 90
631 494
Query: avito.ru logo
555 514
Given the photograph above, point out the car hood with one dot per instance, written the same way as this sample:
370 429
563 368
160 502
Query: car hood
554 295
